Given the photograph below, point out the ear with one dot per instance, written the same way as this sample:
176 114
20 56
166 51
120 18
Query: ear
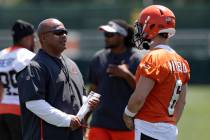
42 37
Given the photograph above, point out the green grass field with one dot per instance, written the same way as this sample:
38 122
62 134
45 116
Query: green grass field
195 121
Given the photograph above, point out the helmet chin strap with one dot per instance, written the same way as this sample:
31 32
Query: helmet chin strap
147 44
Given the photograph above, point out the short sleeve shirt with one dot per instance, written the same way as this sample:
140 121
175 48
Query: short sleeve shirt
114 91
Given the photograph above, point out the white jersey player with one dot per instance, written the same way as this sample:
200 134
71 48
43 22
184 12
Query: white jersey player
12 60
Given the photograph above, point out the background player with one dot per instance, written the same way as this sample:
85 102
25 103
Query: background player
12 60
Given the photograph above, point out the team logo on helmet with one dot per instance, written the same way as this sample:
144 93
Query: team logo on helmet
168 20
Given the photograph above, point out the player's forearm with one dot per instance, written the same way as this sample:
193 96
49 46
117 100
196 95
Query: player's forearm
180 107
179 112
135 103
142 90
181 103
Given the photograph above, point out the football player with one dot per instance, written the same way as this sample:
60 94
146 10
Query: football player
162 76
12 60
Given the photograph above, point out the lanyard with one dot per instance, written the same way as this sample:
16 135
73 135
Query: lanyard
65 70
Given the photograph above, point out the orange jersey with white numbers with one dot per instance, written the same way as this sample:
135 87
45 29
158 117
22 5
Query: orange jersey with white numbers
169 71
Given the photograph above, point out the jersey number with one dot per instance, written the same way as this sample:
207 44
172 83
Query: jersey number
9 81
175 97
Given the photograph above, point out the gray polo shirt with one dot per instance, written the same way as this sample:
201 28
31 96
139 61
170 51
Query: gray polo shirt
114 91
56 81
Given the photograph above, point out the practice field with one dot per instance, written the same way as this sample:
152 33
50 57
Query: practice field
195 122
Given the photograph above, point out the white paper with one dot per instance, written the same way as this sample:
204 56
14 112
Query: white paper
85 107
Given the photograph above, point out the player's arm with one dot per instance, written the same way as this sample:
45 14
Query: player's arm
181 103
137 99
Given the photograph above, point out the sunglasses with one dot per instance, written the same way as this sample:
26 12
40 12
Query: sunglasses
109 35
58 32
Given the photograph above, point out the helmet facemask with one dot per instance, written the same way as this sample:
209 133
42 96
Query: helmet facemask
139 40
138 35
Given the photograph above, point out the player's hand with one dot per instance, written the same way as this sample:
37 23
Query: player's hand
128 121
117 70
75 122
93 102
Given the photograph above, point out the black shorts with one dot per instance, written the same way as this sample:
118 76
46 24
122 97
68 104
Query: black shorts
145 137
10 128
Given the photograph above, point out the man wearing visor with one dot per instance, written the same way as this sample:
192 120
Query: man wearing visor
111 74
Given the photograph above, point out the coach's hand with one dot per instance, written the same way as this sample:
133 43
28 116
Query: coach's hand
128 121
75 122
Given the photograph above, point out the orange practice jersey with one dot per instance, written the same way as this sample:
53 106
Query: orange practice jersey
165 67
